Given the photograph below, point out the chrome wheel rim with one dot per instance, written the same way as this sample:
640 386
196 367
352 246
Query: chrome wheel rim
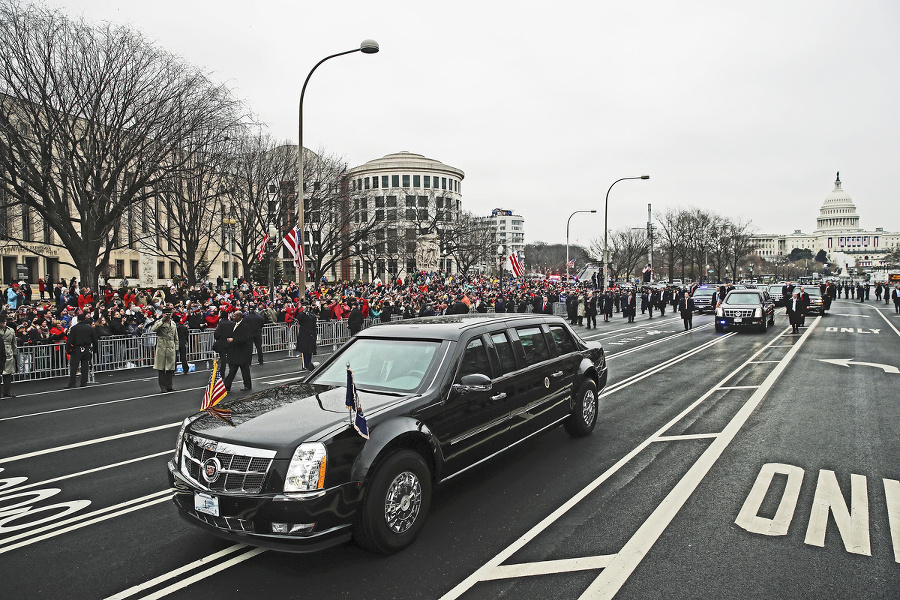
588 407
402 502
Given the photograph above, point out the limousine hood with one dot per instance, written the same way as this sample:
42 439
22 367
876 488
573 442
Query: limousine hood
282 417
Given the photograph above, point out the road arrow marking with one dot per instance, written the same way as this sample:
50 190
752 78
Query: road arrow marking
846 362
653 332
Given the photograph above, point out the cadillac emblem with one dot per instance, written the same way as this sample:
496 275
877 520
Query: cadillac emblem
547 382
211 468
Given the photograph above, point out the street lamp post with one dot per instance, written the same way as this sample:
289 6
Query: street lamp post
366 47
567 238
229 230
500 255
606 228
273 233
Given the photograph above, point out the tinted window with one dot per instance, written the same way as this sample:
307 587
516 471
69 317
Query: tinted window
475 360
564 341
533 344
382 364
742 298
504 351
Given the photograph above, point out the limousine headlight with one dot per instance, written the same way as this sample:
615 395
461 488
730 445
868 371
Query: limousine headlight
180 439
307 469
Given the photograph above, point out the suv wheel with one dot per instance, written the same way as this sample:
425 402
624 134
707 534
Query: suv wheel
584 411
396 503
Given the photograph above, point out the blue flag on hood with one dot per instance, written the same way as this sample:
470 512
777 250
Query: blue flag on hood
352 400
360 425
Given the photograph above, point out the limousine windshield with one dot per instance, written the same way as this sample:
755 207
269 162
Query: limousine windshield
396 365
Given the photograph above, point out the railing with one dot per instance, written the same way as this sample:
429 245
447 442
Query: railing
116 353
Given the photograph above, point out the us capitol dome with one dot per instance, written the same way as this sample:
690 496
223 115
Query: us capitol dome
838 213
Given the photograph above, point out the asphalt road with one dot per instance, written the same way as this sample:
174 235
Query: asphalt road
736 465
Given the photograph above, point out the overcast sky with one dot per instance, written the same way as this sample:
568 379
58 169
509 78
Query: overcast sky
745 108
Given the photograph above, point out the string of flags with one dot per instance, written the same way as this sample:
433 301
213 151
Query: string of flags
352 402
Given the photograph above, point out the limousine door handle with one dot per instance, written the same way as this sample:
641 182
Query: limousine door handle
557 374
499 397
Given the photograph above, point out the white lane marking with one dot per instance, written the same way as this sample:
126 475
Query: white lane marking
748 518
892 498
549 567
176 572
762 362
852 523
532 533
846 362
648 344
154 395
89 442
89 471
690 436
886 320
204 574
280 381
611 580
103 514
664 365
742 387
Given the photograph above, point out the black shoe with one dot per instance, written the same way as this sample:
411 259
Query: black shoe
170 389
261 361
68 387
246 389
9 396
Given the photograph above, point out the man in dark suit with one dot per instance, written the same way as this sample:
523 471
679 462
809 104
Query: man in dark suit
240 351
255 322
686 308
630 306
80 344
355 320
221 335
182 330
306 336
544 308
795 312
804 303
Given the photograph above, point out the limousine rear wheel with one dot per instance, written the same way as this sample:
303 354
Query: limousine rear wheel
396 504
584 411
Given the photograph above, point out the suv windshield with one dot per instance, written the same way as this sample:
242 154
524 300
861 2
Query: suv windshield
395 365
742 298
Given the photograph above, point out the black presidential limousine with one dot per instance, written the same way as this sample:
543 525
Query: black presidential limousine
288 470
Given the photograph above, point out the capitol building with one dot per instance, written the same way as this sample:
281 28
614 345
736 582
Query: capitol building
838 233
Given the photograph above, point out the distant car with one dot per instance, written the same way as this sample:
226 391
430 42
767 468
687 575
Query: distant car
745 308
287 468
817 303
703 299
775 292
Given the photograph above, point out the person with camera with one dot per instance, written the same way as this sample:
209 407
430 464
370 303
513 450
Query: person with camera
166 343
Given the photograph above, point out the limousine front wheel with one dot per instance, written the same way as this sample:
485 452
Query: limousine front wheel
393 512
584 411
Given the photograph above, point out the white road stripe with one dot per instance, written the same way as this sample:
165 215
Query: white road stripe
549 567
176 572
90 442
204 574
613 577
89 471
487 568
83 520
653 343
692 436
886 320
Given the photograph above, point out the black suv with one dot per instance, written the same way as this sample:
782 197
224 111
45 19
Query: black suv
745 308
289 469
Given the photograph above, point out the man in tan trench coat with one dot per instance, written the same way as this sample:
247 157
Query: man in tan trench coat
166 344
8 339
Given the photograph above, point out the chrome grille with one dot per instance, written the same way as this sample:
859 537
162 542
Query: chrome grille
231 523
240 469
738 312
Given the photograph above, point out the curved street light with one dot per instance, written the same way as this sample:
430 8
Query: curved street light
567 237
366 47
606 228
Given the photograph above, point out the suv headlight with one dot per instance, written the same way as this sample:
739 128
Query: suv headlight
720 312
759 312
307 469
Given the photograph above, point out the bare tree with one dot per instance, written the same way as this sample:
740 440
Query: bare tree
472 241
627 251
673 238
94 120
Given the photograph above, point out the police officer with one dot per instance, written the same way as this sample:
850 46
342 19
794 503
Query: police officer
80 345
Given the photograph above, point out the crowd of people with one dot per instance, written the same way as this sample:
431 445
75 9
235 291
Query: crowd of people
50 315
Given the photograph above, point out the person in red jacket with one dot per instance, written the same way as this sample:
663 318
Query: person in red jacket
85 297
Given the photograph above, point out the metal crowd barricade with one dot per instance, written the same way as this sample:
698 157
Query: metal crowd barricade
116 353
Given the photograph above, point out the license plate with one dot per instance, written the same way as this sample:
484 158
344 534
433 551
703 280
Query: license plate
206 504
738 319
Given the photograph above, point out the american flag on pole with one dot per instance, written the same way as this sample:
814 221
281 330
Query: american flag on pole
215 389
294 241
571 264
262 248
515 262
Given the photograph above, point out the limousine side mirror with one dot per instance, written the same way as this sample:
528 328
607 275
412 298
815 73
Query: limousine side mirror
473 383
